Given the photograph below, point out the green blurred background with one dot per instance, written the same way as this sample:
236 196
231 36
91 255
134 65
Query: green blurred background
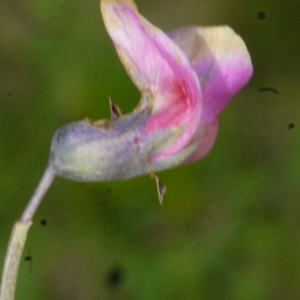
230 224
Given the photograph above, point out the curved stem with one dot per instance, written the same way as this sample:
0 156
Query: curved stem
18 237
38 195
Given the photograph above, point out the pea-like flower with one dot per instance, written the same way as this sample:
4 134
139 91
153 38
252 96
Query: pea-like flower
185 78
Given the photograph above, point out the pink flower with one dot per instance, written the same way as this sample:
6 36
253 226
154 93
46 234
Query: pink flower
185 78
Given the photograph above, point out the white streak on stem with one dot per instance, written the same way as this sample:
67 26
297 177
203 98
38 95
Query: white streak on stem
12 260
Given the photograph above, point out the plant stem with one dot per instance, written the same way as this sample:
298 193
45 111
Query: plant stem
12 260
38 195
18 237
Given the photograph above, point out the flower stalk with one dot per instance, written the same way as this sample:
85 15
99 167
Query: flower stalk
18 237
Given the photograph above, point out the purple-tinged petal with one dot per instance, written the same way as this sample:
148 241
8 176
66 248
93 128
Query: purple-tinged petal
207 134
221 60
159 69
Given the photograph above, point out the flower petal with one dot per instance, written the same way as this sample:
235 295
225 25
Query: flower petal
221 60
207 134
159 69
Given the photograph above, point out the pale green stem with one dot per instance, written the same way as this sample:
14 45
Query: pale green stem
18 237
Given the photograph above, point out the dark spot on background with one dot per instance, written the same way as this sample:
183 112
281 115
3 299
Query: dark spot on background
44 222
261 15
188 226
114 277
28 258
291 125
9 93
268 89
62 6
108 191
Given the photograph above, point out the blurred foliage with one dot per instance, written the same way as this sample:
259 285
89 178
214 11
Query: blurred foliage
230 224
